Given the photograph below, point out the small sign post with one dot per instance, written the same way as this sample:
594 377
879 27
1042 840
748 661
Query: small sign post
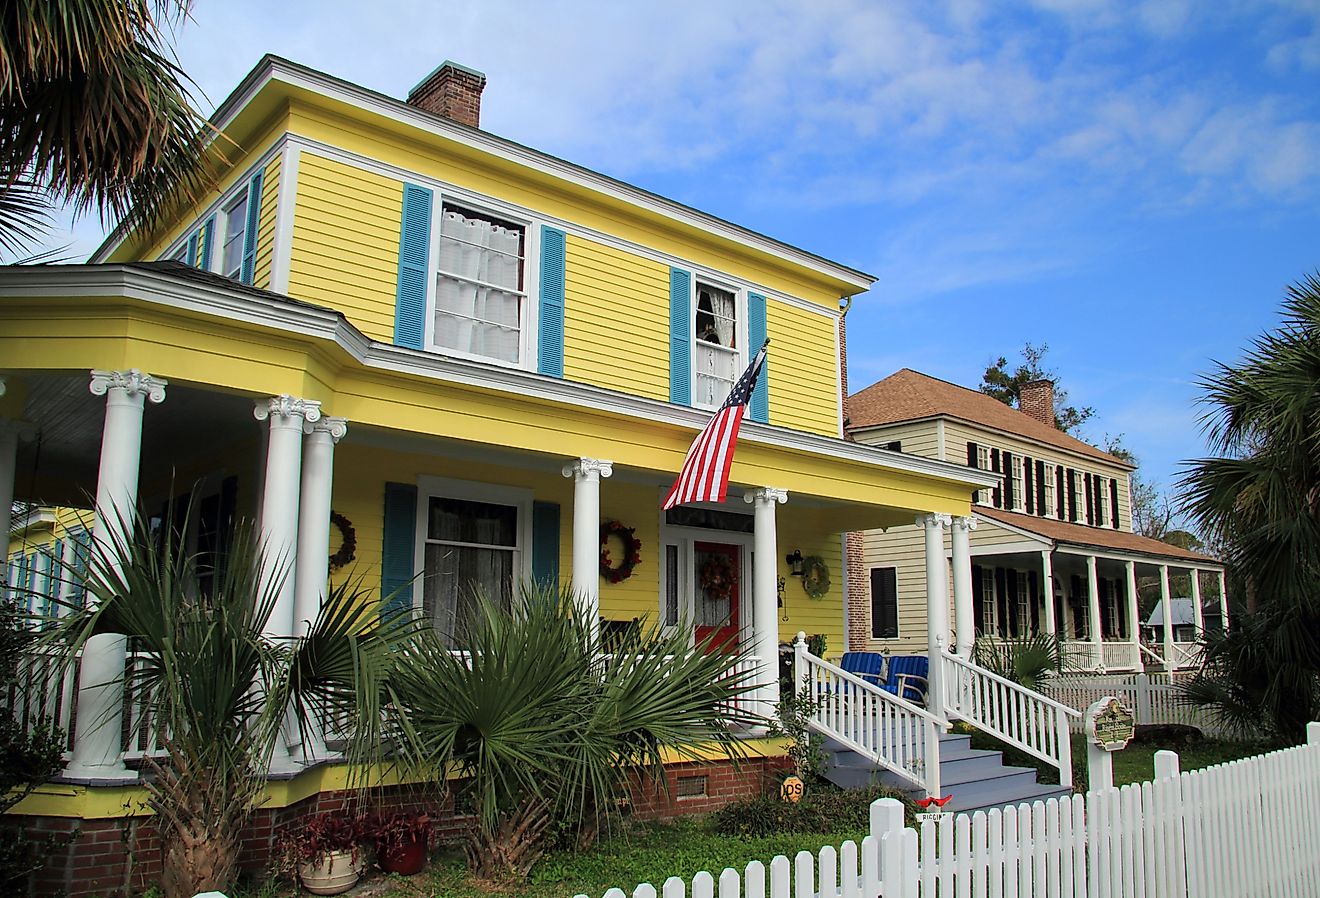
791 789
1109 728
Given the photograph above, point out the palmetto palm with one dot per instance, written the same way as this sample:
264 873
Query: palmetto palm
93 113
540 724
214 690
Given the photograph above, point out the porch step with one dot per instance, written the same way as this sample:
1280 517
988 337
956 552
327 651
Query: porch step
977 779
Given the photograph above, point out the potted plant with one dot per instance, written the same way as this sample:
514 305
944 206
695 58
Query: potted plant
325 852
401 842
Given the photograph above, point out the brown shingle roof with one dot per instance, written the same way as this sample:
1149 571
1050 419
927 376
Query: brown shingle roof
1095 537
909 395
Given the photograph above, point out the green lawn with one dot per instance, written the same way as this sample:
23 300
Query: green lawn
1136 763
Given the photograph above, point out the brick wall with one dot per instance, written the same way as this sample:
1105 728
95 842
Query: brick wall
859 595
453 92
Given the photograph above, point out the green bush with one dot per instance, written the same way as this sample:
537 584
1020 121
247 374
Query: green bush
821 810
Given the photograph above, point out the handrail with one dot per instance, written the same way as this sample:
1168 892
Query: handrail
889 731
1022 717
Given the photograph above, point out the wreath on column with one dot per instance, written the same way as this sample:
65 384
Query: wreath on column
347 544
815 576
632 551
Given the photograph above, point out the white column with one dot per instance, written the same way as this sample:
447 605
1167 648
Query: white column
937 601
313 566
279 501
1198 617
1047 579
1167 604
97 747
1133 613
765 594
10 433
964 617
1223 601
1093 612
587 474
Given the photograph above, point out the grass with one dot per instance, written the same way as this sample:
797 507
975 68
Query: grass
1136 763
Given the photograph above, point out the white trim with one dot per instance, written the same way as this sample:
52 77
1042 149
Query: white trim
941 450
838 370
1029 547
686 538
1172 562
291 316
281 251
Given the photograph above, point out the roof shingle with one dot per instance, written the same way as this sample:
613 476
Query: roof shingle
1095 537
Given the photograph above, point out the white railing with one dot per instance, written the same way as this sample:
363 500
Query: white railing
43 694
889 731
1122 655
1080 654
1244 828
1008 711
1152 698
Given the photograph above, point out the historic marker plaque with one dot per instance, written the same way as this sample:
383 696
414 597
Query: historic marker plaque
1110 725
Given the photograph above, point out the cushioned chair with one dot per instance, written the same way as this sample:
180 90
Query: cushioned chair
906 677
870 666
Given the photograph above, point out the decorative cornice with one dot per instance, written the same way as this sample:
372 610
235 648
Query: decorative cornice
132 382
965 523
765 494
934 520
336 427
286 408
589 468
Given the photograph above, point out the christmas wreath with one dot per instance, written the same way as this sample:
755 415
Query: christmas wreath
347 545
632 551
718 578
815 576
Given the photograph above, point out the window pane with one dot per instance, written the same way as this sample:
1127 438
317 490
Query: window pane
478 308
671 586
454 577
463 521
717 316
235 225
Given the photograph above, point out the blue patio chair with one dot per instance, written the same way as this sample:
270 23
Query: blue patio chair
870 666
907 677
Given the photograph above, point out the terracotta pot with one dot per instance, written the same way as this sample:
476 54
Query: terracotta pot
336 872
405 858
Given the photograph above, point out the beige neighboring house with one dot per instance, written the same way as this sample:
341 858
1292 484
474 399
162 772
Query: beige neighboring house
1051 549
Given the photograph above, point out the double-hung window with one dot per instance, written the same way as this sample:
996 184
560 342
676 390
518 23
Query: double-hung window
1079 491
1023 604
1047 484
235 225
1018 489
1102 501
480 291
716 356
983 496
989 603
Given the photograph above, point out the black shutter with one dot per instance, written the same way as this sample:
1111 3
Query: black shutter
1113 503
1001 600
1033 582
1090 499
1028 485
997 493
1106 625
1060 493
971 454
884 603
1072 493
1122 605
1010 579
978 599
1006 462
1040 487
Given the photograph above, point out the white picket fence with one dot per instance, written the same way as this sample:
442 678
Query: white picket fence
1246 828
1152 697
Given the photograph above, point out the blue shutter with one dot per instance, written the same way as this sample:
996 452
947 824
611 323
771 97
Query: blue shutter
756 334
545 545
680 336
81 552
414 255
190 257
204 247
56 578
250 234
398 547
550 341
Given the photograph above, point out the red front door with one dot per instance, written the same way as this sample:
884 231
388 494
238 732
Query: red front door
718 594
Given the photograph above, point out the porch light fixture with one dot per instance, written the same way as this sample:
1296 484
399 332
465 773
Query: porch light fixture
794 562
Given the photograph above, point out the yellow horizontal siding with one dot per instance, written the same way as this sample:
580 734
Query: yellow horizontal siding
345 247
616 319
634 505
822 616
270 191
803 369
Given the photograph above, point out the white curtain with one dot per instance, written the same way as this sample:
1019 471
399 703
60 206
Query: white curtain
456 574
715 356
477 308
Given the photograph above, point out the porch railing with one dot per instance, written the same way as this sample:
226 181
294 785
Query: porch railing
1121 655
1023 718
889 731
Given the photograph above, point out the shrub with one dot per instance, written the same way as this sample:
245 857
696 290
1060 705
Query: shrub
822 810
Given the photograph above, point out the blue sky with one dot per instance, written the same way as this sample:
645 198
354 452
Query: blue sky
1133 184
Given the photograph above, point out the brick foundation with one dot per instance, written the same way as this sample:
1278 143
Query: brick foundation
115 858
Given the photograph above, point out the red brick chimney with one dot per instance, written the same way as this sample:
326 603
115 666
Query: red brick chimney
452 91
1036 398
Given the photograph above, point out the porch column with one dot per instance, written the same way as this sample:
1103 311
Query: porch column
1198 616
1047 588
587 474
1093 612
963 615
1133 612
1223 601
279 501
313 564
97 747
10 433
937 604
1166 603
765 593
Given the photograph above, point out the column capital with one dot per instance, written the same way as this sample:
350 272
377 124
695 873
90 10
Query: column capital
286 408
766 494
1090 561
590 468
934 520
132 382
965 523
335 427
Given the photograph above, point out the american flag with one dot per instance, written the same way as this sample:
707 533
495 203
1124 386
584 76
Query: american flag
705 473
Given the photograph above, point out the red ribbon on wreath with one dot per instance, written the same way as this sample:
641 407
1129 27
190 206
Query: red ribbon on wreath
632 551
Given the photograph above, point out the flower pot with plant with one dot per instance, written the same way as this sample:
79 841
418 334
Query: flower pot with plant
325 852
401 842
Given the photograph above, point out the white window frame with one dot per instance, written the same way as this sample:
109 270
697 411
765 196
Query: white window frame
221 231
1019 484
1102 501
529 320
983 496
1049 484
686 539
1023 603
989 603
700 279
1079 490
429 487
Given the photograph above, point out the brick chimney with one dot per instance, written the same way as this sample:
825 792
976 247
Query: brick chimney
1036 398
451 91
